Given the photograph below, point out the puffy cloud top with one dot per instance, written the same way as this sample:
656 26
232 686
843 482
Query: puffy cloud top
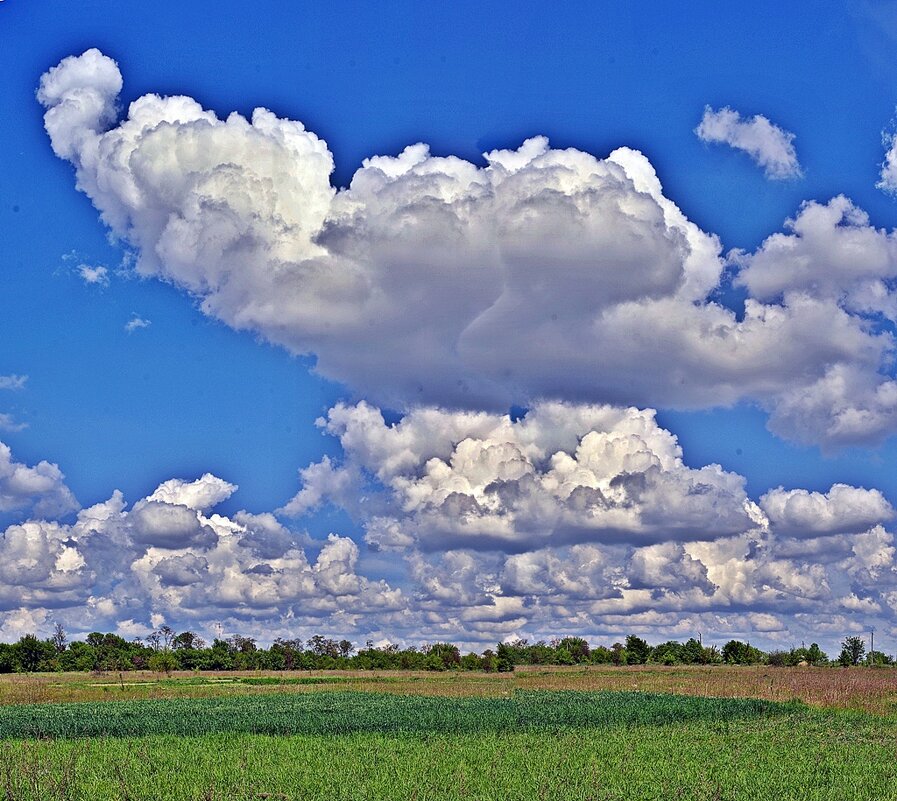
203 494
561 475
40 489
841 510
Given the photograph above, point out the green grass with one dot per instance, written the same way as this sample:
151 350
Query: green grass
808 756
347 746
352 712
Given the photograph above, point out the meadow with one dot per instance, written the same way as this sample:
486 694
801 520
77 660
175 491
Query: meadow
567 733
863 689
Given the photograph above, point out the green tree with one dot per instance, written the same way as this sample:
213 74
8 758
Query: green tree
618 654
163 662
446 653
693 652
878 658
668 653
815 655
32 653
577 647
852 651
59 638
504 658
601 655
637 650
736 652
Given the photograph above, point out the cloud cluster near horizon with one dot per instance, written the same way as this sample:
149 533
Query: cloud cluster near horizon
574 519
543 275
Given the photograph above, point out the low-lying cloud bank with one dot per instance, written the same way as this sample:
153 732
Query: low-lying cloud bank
575 519
541 275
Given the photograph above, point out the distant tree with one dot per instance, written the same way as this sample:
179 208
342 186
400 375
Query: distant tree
852 651
188 640
815 655
59 638
693 652
163 662
32 652
489 662
878 658
167 634
637 650
563 657
345 649
243 645
668 653
618 654
736 652
471 661
577 647
601 655
504 661
778 658
323 646
9 660
712 655
446 653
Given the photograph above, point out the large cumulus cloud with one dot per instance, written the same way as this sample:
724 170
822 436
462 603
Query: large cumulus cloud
543 274
582 518
562 475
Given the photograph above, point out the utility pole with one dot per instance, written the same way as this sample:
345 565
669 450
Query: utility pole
872 646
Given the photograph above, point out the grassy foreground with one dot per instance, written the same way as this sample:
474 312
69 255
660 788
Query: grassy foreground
343 746
803 755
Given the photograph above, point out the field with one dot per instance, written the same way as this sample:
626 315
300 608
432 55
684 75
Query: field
869 690
560 733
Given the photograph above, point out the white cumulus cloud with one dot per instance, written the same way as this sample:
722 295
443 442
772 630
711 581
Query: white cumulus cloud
770 146
432 280
40 488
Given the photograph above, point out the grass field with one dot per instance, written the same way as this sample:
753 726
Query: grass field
870 690
452 737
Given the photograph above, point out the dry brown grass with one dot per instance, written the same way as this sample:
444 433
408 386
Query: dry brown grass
871 690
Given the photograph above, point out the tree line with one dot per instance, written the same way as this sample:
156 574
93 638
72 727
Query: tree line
165 650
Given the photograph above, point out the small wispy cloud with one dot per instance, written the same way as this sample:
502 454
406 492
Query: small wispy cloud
771 147
9 423
137 322
97 276
13 381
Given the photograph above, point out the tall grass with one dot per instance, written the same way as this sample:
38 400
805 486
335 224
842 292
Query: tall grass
810 756
347 713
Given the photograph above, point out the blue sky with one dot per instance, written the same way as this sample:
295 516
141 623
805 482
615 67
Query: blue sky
189 394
